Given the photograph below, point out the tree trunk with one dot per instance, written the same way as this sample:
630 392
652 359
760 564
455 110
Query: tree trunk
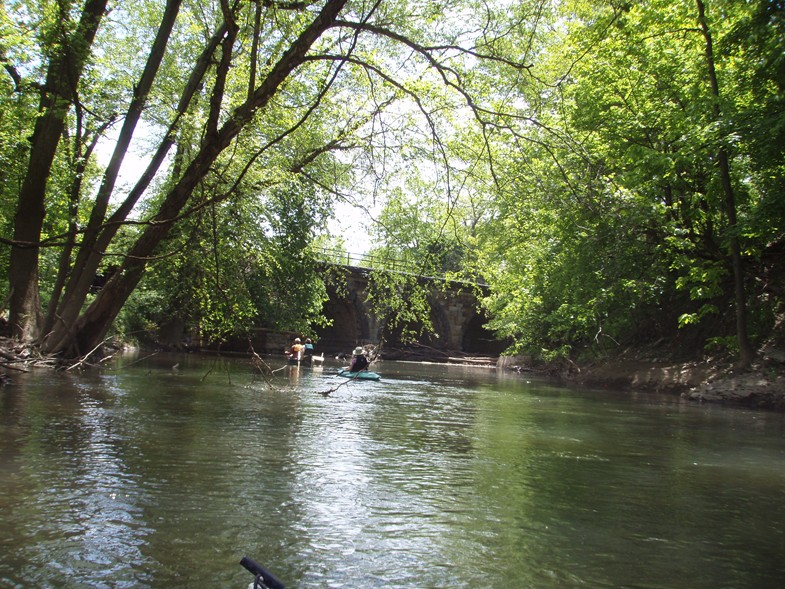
94 324
89 256
86 267
79 166
746 352
62 79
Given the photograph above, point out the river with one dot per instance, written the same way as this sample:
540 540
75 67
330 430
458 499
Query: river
165 471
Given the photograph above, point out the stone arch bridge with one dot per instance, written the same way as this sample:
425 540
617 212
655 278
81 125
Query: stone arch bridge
459 326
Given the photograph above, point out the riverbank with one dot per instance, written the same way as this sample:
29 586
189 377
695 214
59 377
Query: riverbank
762 386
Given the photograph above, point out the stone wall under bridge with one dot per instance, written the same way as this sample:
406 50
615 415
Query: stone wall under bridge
458 325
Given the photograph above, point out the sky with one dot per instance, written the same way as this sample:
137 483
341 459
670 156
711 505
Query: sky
349 223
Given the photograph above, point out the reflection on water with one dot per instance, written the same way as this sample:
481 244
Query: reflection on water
148 475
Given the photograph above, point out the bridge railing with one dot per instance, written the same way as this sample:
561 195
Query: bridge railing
375 261
372 261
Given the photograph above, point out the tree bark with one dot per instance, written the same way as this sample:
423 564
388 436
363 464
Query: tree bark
93 325
62 79
89 255
746 352
79 165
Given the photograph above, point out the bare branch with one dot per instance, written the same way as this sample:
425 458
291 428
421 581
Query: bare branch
13 73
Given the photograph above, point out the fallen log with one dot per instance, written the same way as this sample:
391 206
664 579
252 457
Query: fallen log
470 360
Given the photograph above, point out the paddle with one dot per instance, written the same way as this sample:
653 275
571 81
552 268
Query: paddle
264 578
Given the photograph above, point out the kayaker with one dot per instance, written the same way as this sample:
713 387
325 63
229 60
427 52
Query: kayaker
296 351
308 348
359 361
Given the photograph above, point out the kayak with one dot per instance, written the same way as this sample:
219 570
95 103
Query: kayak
362 375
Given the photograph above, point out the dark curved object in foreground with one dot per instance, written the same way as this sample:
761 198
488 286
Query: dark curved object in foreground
268 579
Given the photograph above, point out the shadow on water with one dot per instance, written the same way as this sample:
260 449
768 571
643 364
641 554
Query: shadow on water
164 471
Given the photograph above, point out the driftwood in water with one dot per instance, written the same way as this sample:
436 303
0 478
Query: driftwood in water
474 361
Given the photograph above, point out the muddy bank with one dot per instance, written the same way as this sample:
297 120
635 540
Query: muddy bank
760 387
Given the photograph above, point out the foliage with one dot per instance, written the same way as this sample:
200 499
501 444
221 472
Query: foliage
608 169
400 301
615 202
250 95
235 266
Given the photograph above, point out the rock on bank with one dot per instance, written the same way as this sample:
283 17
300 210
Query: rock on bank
760 387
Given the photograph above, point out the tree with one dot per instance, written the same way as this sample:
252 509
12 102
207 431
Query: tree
70 45
348 70
617 194
746 353
234 266
93 324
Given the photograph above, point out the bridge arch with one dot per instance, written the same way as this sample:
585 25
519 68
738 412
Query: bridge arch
477 339
454 315
351 323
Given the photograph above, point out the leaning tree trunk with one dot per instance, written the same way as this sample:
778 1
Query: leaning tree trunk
90 329
79 166
65 70
86 267
90 255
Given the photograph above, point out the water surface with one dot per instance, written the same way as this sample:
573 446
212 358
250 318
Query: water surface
165 471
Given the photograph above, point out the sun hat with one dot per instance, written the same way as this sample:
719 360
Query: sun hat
297 340
358 350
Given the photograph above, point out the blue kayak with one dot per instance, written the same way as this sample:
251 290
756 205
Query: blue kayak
362 375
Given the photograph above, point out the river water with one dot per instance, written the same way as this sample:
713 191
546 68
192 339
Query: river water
164 472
